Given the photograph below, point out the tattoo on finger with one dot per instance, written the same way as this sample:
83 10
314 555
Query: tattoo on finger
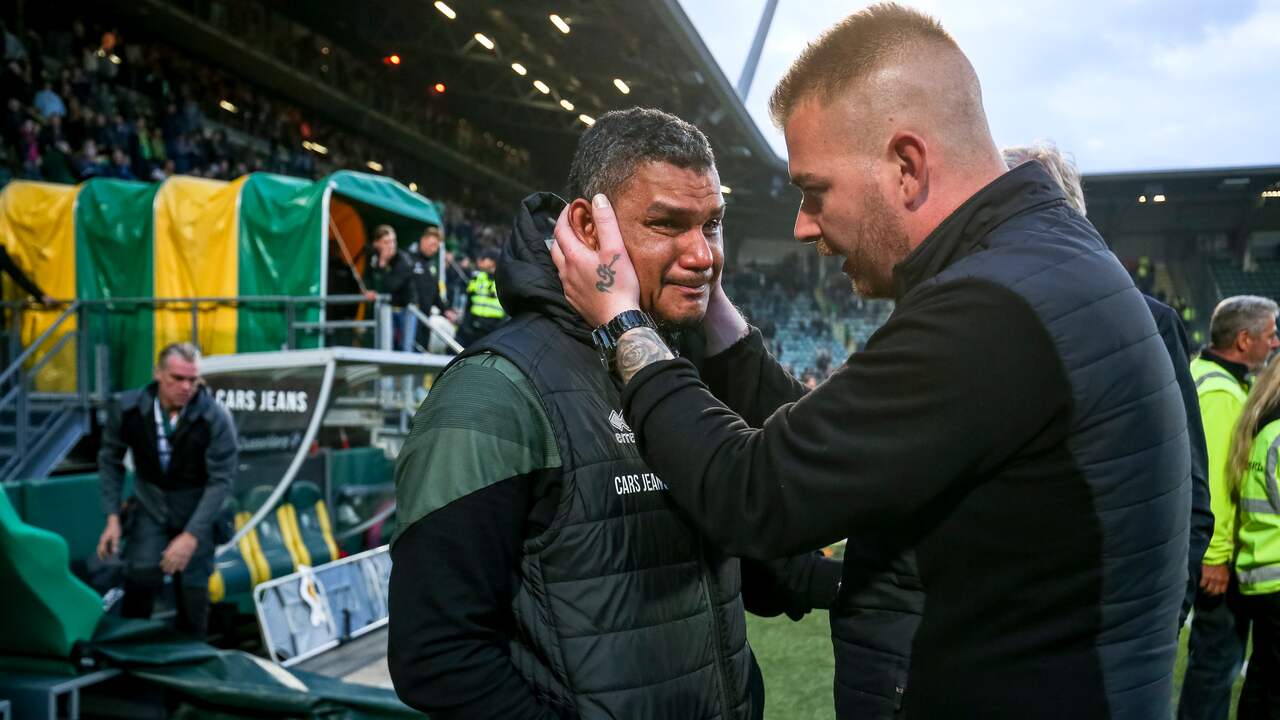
607 274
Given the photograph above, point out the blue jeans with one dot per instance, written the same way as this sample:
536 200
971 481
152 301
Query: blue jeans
1219 635
406 330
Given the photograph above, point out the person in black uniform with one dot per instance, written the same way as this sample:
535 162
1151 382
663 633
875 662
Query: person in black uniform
391 273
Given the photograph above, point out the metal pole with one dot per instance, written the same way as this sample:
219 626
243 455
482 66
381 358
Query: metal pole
103 370
82 356
385 333
757 46
291 338
195 323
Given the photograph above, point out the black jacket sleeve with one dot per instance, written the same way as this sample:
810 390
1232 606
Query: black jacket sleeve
1175 340
793 585
749 381
111 454
396 280
9 266
965 378
453 577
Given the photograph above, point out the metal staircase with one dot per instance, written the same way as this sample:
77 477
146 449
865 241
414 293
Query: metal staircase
39 427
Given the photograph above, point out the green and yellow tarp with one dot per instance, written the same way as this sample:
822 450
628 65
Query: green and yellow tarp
186 237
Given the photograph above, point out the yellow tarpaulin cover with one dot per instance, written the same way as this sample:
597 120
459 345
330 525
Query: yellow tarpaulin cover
196 231
37 227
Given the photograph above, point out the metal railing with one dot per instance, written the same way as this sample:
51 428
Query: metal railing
425 321
18 379
84 322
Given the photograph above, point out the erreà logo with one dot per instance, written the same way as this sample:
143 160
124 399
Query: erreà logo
623 433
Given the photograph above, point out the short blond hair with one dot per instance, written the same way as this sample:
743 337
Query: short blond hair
850 50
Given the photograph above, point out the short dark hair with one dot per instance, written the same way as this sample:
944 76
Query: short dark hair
611 151
849 51
382 231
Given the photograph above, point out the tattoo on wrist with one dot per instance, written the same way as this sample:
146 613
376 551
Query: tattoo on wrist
606 274
638 349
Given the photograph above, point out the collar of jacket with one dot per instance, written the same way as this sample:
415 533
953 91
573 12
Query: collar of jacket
527 278
1026 187
200 404
1239 371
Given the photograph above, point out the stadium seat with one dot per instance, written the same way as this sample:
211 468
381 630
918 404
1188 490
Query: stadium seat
278 555
311 530
46 608
236 571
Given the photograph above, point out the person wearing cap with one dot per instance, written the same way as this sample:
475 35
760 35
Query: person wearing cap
484 312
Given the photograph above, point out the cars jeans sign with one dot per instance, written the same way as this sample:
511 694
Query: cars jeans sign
271 412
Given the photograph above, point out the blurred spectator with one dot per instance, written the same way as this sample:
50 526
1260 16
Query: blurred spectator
48 103
57 165
120 166
13 48
87 163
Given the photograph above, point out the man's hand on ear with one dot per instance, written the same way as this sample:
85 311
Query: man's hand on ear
600 284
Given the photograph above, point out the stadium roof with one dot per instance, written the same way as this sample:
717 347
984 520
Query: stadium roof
1184 205
615 55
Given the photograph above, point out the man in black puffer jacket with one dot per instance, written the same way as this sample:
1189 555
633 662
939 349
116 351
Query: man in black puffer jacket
1017 417
540 569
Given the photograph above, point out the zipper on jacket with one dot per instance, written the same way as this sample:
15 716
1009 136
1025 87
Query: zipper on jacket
721 671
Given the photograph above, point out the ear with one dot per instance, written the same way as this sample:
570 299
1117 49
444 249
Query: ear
910 155
1242 340
582 224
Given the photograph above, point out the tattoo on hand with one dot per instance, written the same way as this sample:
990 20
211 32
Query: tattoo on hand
638 349
606 274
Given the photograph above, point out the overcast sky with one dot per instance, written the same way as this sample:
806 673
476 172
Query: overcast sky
1120 84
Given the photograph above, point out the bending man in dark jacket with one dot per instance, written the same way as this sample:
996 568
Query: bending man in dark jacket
184 456
1018 415
540 569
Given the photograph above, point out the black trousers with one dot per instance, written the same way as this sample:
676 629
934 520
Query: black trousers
145 542
1260 699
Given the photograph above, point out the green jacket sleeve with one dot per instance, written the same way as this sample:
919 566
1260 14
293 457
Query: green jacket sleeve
1219 412
481 424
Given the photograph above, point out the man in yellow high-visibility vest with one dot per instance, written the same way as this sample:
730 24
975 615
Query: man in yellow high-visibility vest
1242 334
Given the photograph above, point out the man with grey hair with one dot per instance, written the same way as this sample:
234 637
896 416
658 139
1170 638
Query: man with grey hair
540 570
184 459
1060 168
1242 334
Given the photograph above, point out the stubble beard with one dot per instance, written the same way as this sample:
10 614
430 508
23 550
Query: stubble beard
882 244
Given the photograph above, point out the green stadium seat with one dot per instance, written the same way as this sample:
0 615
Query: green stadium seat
275 547
313 529
46 608
234 572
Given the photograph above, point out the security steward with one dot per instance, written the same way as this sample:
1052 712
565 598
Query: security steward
484 311
184 456
1242 334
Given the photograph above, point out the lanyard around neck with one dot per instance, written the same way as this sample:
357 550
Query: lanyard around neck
169 428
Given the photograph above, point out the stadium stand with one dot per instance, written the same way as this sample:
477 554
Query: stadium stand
82 102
